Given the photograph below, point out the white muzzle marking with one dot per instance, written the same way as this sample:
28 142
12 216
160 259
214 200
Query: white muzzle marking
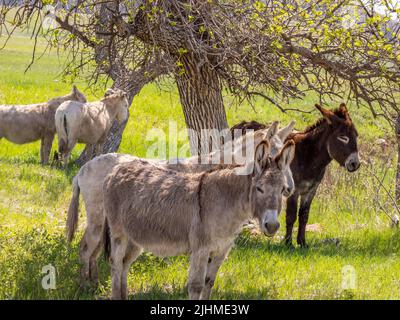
270 223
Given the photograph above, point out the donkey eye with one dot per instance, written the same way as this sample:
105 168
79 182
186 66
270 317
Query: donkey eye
343 139
260 190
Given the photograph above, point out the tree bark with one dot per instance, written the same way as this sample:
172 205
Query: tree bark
200 93
397 131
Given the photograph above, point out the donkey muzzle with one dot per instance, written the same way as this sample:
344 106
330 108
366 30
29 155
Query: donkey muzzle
352 162
270 223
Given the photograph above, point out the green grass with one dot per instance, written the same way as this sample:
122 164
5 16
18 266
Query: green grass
34 200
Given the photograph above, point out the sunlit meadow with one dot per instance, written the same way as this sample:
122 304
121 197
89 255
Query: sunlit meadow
350 228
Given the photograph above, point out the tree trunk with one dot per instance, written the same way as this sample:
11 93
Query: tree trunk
200 94
112 144
397 129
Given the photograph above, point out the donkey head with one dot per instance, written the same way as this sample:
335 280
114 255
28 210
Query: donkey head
342 141
118 100
76 95
276 142
268 183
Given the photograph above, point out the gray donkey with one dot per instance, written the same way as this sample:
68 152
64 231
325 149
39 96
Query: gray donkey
90 122
90 178
170 213
27 123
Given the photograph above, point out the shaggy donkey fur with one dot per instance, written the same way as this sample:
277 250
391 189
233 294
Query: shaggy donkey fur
170 213
91 176
27 123
334 137
89 123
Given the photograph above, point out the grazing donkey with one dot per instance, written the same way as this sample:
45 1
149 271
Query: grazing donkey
90 122
89 181
170 213
332 137
27 123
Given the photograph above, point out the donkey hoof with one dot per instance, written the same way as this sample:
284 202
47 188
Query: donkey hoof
304 245
288 243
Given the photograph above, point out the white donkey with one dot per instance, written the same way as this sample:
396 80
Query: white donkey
89 123
171 213
90 178
27 123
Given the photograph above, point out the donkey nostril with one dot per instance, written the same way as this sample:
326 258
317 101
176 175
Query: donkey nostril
272 227
353 166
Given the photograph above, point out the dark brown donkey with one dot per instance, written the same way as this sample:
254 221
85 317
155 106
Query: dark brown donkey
332 137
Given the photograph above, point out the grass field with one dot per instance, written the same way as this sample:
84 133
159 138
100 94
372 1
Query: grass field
349 207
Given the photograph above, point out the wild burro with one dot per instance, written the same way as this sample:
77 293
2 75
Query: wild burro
171 213
332 137
27 123
89 181
89 122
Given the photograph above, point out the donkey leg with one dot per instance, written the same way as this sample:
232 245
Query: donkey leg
291 215
45 148
84 260
68 150
304 210
132 253
93 267
94 233
118 249
66 157
90 243
91 246
214 263
197 273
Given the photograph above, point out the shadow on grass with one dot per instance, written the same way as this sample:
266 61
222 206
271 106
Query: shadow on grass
26 252
181 293
18 160
377 244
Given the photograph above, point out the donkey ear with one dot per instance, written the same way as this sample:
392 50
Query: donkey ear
285 157
272 130
328 115
109 92
344 111
74 89
343 108
284 132
261 157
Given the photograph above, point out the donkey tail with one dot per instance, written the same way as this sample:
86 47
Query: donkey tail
106 240
73 210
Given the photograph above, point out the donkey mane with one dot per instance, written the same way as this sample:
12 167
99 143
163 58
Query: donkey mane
115 95
338 112
248 125
254 125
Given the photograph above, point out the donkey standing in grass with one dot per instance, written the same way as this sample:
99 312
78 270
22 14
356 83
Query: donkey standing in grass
27 123
332 137
170 213
90 178
89 123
